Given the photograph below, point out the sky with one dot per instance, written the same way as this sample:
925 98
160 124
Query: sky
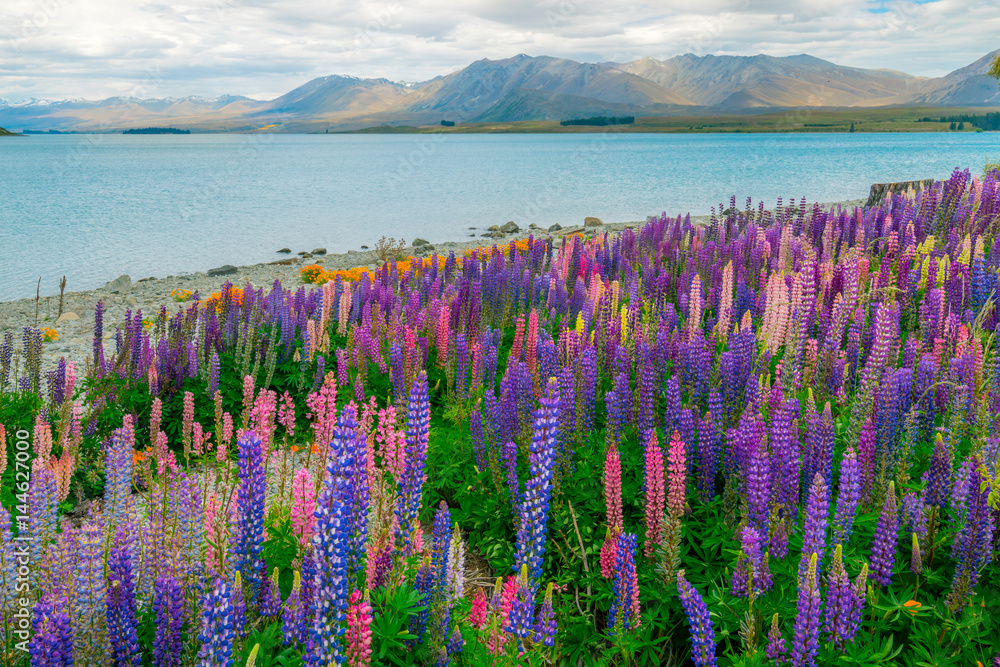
59 49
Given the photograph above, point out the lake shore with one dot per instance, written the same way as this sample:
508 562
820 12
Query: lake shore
76 328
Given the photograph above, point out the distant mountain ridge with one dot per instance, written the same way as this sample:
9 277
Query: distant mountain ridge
529 88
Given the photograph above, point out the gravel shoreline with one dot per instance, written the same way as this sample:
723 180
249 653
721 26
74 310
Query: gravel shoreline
76 328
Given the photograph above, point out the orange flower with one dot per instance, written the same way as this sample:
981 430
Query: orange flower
294 448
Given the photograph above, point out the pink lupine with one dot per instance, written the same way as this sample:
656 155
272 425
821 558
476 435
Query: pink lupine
609 552
187 419
303 506
70 379
613 488
676 476
391 441
3 449
263 413
199 438
654 494
227 437
215 533
443 335
531 344
248 397
477 614
62 470
323 411
286 414
359 631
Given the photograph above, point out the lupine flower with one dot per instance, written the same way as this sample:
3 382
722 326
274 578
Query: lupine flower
477 614
848 498
294 616
817 511
121 609
51 643
886 539
654 494
359 632
534 508
239 607
168 606
303 505
700 623
625 607
217 635
412 478
90 596
776 648
805 645
613 488
248 541
841 602
545 621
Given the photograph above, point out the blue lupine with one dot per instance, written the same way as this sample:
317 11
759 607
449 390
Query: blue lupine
168 606
248 541
121 608
848 497
699 622
217 636
411 485
51 644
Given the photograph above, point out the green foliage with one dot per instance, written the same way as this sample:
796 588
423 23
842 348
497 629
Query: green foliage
394 607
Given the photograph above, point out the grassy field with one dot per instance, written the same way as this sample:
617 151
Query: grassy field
6 133
890 119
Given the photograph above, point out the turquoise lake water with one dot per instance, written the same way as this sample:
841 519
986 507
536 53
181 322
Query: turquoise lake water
93 207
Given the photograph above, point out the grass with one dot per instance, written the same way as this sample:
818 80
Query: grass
886 119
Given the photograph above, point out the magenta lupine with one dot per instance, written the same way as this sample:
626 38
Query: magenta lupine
699 622
303 505
286 414
886 540
359 632
676 476
613 488
654 493
805 645
477 613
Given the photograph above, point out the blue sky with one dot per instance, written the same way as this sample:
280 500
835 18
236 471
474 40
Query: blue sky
263 48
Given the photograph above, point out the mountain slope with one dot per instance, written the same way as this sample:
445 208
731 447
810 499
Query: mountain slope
470 91
968 86
337 94
761 80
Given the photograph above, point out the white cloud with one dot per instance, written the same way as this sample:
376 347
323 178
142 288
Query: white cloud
263 48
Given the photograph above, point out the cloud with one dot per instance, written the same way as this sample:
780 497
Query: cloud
263 48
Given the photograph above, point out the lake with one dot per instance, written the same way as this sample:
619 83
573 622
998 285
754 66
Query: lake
93 207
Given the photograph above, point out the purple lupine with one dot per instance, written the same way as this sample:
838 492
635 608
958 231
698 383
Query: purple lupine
440 543
422 584
972 546
217 636
478 437
295 615
418 417
509 453
624 613
545 621
90 595
699 622
786 458
534 506
708 456
886 540
239 605
331 543
776 648
51 643
805 645
350 443
248 540
841 602
758 489
817 513
848 497
118 476
121 609
168 606
939 474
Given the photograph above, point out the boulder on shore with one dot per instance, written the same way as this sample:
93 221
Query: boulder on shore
224 270
419 242
510 228
319 251
119 284
592 222
285 251
555 228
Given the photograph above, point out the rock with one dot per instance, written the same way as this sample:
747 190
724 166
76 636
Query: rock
119 284
880 191
486 235
224 270
419 242
493 228
424 250
510 228
364 247
471 227
533 226
354 252
285 251
555 228
146 280
284 262
592 222
496 235
68 317
319 251
306 255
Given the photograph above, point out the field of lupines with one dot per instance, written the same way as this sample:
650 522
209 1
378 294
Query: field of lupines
769 440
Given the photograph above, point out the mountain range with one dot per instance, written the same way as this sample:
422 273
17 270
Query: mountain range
529 88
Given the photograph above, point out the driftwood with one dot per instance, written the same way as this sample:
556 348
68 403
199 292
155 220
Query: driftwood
880 191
